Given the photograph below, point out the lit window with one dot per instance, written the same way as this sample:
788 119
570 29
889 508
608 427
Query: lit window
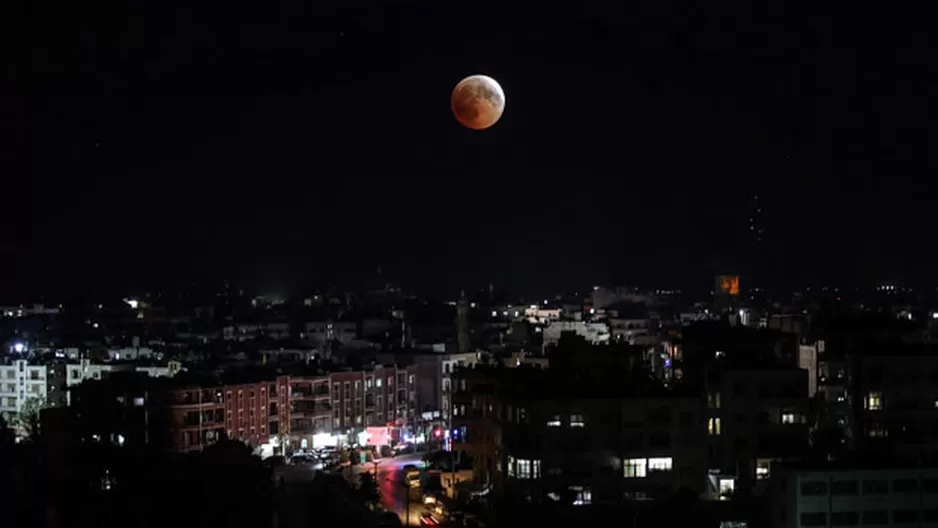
511 467
714 426
635 467
576 420
581 496
788 418
554 421
763 468
659 464
874 401
536 469
523 469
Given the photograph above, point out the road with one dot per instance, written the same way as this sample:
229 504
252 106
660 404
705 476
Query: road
298 481
394 496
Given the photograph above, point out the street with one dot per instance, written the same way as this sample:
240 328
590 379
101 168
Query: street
390 481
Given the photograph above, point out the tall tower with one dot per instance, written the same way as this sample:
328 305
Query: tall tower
462 323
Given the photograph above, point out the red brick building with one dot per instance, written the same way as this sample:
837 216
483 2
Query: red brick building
251 412
295 408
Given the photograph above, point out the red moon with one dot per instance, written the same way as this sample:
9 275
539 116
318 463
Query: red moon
477 102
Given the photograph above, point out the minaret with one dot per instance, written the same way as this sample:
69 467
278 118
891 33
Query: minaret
462 323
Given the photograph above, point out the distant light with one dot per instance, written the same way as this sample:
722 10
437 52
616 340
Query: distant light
545 301
94 325
592 311
934 315
494 313
19 348
133 303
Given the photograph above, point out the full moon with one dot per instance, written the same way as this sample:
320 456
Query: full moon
477 102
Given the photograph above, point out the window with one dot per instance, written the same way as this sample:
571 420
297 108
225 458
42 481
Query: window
379 382
714 426
576 420
788 418
813 519
844 487
845 518
660 464
369 382
554 421
877 430
874 401
905 486
763 468
813 487
876 517
904 516
875 487
511 467
634 467
581 495
523 469
930 485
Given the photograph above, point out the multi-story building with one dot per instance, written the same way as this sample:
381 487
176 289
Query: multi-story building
810 495
757 416
547 435
893 399
64 376
202 413
433 371
21 381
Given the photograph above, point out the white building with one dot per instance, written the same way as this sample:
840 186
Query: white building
19 382
595 333
842 496
76 373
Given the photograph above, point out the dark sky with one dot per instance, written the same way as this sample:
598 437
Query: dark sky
149 142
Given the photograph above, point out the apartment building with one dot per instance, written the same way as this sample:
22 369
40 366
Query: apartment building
757 416
250 411
892 395
19 382
809 496
64 376
549 437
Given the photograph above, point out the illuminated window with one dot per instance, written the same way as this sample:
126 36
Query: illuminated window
874 401
511 467
659 464
523 469
581 495
763 468
554 421
576 420
788 418
635 467
526 469
714 426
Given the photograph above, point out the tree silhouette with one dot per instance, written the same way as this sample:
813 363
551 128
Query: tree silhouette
26 421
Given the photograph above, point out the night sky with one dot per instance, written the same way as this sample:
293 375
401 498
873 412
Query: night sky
152 142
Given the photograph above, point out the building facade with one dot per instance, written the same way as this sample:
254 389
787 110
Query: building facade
814 497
